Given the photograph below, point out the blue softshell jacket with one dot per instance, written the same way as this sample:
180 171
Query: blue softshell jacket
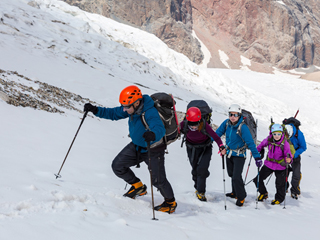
299 142
234 141
136 127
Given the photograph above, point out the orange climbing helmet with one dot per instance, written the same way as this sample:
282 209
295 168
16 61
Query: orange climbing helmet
129 95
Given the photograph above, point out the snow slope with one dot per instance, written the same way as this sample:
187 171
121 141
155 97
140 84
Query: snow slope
96 57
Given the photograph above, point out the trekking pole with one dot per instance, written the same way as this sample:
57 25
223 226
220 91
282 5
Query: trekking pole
245 179
269 178
296 113
255 142
249 182
224 184
58 174
285 191
257 187
175 114
150 171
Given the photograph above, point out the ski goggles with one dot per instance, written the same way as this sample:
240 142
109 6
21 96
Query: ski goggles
234 114
277 134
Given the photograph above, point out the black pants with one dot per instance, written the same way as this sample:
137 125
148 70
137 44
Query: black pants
280 182
296 175
199 159
128 158
234 169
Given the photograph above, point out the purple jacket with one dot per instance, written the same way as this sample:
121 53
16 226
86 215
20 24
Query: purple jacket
275 152
197 137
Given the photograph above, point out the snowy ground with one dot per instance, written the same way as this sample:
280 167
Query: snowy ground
96 58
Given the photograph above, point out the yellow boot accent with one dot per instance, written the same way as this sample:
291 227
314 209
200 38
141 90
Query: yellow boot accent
168 207
137 185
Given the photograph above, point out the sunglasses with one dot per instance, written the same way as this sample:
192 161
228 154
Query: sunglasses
276 134
234 114
127 106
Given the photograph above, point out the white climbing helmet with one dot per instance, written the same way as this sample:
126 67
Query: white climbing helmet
235 108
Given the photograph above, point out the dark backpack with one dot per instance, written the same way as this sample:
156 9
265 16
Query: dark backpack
250 122
294 121
206 113
164 103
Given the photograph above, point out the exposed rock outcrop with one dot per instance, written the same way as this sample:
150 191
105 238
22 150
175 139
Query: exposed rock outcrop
19 90
285 34
170 20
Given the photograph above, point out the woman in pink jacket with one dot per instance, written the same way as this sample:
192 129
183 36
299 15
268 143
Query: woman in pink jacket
279 156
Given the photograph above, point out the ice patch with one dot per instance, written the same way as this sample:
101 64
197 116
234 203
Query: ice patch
224 58
205 51
281 2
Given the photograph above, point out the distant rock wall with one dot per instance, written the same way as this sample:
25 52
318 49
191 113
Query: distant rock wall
285 34
170 20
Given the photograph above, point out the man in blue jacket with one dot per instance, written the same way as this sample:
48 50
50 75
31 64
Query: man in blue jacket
133 104
300 145
236 146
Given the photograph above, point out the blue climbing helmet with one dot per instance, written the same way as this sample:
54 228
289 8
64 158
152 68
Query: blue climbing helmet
276 128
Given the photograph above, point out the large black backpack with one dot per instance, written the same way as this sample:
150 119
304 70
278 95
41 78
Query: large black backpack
206 113
294 121
164 103
250 122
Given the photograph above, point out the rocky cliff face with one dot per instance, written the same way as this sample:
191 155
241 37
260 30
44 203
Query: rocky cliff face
170 20
284 33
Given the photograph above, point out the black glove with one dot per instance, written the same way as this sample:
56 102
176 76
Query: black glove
88 107
262 153
149 136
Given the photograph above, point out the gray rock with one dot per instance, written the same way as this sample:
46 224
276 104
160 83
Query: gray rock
45 97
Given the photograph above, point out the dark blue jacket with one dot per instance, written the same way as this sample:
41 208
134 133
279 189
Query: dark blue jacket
234 141
136 127
298 142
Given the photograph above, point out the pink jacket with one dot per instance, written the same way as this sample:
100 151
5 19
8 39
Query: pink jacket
275 152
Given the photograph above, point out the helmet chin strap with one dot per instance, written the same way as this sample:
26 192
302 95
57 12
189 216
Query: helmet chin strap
138 109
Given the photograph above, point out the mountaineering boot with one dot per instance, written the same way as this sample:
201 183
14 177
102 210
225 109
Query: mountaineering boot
166 206
275 202
262 197
240 202
201 196
137 189
231 195
294 196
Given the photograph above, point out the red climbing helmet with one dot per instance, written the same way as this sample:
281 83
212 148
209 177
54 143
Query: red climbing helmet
193 114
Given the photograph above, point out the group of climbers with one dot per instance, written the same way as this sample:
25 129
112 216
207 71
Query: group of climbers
199 137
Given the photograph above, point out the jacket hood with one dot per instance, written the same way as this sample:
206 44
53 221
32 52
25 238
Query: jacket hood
294 129
146 103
